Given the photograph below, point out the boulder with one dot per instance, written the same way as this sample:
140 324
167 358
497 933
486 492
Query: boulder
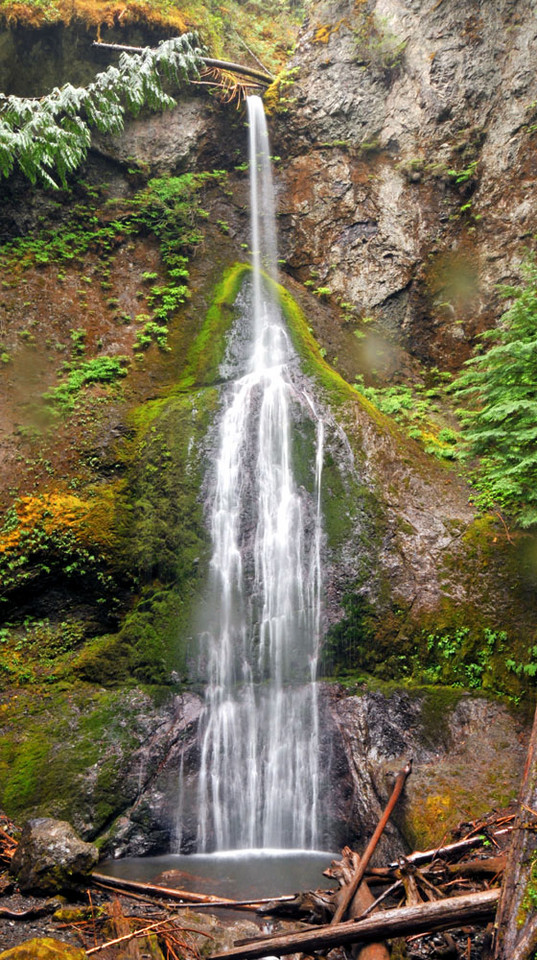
43 948
51 857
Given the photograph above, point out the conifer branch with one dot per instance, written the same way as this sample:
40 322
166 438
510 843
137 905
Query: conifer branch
49 138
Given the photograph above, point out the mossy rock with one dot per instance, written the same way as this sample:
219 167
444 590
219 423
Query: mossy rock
44 948
67 754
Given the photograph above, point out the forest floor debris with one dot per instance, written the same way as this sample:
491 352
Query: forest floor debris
104 922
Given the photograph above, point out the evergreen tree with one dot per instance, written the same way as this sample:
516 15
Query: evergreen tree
499 420
52 135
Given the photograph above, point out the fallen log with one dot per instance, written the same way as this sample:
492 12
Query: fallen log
474 868
353 885
344 871
240 68
448 850
189 899
33 913
423 918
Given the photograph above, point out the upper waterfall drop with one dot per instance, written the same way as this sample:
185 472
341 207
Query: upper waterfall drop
259 731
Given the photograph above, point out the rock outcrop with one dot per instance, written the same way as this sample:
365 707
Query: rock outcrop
409 182
51 858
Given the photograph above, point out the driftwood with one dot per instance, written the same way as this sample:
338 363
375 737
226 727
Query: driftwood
363 901
475 868
516 933
189 898
424 918
354 883
264 77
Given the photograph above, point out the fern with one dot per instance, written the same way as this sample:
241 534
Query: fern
49 138
499 420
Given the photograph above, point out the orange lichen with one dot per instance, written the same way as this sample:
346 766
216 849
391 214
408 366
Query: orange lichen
324 32
95 13
90 520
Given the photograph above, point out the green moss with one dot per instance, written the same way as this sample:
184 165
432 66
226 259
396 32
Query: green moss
528 905
50 742
105 660
29 765
337 391
208 349
155 634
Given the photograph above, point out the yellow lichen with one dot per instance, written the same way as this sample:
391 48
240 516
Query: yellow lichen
91 520
325 31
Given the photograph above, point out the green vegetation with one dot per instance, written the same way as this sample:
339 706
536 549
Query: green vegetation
528 905
208 349
499 419
53 736
167 208
377 45
228 32
276 98
417 408
35 651
469 656
98 370
52 135
41 550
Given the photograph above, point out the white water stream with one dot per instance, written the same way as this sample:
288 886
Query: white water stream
259 732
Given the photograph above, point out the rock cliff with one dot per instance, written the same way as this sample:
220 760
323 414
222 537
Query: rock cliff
406 193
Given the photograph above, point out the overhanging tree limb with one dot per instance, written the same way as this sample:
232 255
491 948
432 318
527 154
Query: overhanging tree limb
51 136
263 76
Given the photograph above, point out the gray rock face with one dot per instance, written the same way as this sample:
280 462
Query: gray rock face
51 857
461 763
408 140
165 141
154 812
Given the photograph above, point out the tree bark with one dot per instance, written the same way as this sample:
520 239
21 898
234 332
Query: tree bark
425 918
516 925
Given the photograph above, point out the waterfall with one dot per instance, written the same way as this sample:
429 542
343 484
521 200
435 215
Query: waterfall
259 730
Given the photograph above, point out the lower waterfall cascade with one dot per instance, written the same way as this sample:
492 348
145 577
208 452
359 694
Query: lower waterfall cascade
259 730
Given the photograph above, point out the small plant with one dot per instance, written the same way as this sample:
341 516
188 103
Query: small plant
78 341
98 370
152 331
463 176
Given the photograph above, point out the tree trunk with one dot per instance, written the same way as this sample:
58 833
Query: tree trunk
425 918
516 933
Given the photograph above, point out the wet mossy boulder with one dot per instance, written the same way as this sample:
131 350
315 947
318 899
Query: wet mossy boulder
51 858
43 948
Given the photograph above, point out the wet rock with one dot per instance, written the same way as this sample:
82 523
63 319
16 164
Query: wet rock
149 820
165 141
468 755
51 857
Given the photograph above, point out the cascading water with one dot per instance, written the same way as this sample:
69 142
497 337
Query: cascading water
259 732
